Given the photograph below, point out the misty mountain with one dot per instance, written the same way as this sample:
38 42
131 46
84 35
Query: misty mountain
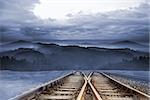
127 42
51 56
134 63
24 53
17 44
130 44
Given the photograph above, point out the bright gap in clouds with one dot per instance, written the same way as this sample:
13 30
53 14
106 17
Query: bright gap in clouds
59 9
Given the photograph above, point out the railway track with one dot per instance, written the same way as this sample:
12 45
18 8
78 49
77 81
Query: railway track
110 89
80 86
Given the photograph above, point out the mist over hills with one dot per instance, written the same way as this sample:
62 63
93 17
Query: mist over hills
127 42
139 46
41 56
130 44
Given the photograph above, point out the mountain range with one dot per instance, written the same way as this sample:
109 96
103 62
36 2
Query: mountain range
42 56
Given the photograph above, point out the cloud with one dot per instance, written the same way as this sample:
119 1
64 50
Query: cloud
17 11
129 23
119 24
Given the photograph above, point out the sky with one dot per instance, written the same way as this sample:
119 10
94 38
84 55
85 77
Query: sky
60 8
44 20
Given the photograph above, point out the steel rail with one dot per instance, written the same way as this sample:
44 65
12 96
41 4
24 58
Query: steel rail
97 95
80 96
36 89
87 81
127 86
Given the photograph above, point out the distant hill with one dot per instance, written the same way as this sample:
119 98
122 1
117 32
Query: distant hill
127 42
130 44
24 53
134 63
16 45
41 56
20 41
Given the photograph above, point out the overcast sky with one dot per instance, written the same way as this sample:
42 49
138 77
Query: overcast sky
73 19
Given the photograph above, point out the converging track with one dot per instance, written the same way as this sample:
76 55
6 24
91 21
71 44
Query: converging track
78 86
111 89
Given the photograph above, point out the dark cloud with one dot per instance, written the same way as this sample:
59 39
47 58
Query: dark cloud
17 11
129 23
132 23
